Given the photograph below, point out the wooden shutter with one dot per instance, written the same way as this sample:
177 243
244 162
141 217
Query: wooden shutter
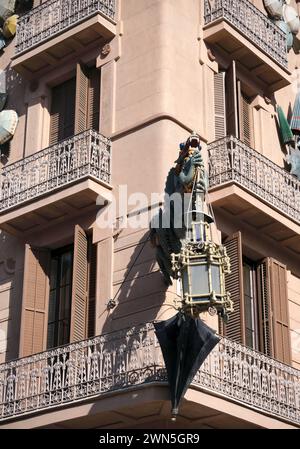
94 99
265 309
62 115
34 322
245 117
220 105
55 115
81 108
79 307
231 101
235 329
275 332
92 290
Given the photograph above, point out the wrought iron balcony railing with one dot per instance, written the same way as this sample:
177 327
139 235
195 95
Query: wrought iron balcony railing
230 160
78 157
132 357
252 23
54 16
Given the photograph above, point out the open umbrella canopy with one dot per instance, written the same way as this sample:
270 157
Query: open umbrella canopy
10 26
7 8
285 130
185 343
295 122
8 125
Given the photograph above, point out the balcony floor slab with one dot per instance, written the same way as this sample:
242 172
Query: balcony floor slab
235 46
55 207
53 52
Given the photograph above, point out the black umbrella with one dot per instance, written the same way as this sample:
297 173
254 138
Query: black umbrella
185 343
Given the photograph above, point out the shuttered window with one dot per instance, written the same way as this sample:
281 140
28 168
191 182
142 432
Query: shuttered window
275 334
35 301
235 329
220 105
75 104
62 115
59 295
268 318
245 117
232 101
92 290
239 115
94 99
79 313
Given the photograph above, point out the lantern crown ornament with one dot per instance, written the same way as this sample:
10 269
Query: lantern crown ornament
187 251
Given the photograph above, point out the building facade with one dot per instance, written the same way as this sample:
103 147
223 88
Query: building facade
105 91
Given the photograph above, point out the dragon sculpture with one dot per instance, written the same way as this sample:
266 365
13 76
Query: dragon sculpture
186 177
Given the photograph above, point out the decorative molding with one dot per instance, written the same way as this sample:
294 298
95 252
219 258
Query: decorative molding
106 49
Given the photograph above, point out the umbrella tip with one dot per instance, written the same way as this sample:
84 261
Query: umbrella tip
174 414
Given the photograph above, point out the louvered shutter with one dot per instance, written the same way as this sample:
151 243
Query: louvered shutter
235 329
265 308
81 108
94 99
274 310
34 323
92 290
55 115
220 105
62 115
232 101
69 109
245 117
79 307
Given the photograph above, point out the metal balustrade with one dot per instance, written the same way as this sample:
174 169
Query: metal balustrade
78 157
230 160
132 357
252 23
55 16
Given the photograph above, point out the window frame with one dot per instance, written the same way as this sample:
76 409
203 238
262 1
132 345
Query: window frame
58 254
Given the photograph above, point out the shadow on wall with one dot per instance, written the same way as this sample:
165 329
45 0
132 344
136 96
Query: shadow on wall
128 358
10 307
140 291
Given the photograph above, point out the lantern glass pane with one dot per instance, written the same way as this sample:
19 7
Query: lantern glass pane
199 280
185 281
216 278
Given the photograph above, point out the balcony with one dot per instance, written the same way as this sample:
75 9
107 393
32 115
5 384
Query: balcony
253 189
129 359
53 31
238 30
58 181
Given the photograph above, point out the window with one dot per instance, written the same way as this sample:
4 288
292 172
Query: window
62 117
59 290
75 105
250 300
233 112
59 315
259 294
